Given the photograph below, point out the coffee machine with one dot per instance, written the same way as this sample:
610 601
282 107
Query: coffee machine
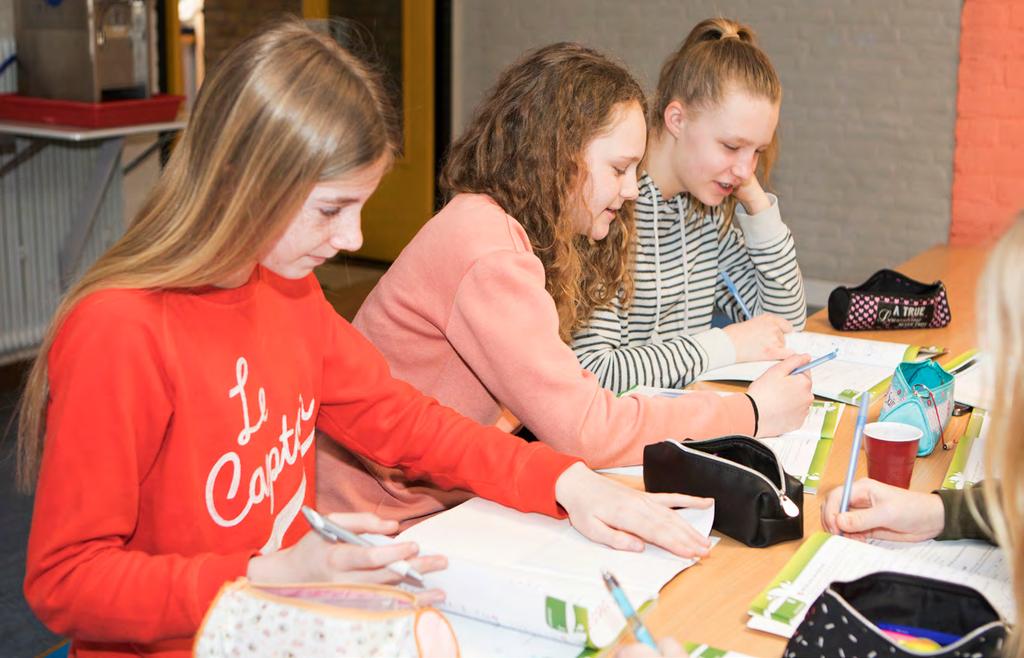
85 50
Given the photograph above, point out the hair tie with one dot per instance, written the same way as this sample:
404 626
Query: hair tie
734 35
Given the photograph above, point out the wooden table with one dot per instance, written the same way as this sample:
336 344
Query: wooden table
708 602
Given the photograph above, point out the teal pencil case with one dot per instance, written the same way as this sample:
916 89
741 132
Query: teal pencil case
920 394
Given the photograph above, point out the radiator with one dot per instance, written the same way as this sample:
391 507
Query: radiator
37 200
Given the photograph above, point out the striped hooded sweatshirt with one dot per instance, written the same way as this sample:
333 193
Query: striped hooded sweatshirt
664 337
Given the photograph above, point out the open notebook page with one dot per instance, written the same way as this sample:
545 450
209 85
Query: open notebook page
860 365
538 574
973 381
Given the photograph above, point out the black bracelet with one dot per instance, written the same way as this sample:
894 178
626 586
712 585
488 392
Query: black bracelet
757 416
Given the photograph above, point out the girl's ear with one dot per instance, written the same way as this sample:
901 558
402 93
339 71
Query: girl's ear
674 117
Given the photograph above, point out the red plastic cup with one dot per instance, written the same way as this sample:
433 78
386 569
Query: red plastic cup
892 449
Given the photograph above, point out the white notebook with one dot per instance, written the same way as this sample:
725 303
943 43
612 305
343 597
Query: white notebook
538 575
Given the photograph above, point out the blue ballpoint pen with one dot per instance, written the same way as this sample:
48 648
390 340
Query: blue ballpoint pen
858 435
639 630
333 532
735 293
817 362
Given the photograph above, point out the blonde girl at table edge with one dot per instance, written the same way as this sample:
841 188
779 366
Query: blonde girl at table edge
479 307
992 510
199 352
702 211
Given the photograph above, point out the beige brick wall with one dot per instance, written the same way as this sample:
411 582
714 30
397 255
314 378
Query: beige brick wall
868 110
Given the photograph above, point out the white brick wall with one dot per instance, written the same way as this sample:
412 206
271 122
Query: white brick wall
868 111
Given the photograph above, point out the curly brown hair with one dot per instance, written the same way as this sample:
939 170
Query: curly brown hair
524 148
718 53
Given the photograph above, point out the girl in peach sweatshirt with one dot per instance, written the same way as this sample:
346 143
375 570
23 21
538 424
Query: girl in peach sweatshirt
478 309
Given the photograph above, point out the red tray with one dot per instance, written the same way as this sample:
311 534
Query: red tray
162 107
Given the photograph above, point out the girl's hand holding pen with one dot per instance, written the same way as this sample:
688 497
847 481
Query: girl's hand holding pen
782 398
882 511
315 559
762 338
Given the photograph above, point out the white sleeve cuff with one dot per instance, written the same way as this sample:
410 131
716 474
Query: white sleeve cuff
719 347
763 228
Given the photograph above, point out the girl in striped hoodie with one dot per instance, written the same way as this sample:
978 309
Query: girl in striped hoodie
702 212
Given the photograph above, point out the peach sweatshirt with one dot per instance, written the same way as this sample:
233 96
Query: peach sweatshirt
463 316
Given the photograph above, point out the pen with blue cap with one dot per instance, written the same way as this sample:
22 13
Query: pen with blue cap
735 293
858 435
817 362
639 630
331 531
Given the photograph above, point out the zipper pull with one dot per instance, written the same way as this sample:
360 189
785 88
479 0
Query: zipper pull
789 508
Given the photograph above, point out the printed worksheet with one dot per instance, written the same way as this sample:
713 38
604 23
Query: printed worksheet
861 365
973 379
967 466
804 452
974 557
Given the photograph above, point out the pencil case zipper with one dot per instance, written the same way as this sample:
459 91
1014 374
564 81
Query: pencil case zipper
789 508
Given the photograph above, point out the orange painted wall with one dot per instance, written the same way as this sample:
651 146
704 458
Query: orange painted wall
988 163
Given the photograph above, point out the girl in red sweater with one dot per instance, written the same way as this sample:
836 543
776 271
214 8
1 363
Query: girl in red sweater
170 419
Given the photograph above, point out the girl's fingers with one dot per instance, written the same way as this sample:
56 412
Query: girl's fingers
597 530
345 557
428 563
364 522
663 527
681 500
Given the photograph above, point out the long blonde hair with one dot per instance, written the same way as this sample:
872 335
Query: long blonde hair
524 147
718 54
1001 324
285 109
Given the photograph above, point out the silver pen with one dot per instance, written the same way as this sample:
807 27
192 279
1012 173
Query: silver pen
333 532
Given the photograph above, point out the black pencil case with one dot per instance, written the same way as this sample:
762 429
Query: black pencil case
845 619
756 501
889 300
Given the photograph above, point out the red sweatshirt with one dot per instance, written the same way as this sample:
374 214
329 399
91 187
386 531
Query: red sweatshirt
178 445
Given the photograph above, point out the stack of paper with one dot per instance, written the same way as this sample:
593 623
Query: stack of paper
538 575
825 558
862 365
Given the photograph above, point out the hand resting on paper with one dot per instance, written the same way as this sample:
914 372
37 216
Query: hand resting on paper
314 559
613 514
667 648
762 338
881 511
782 399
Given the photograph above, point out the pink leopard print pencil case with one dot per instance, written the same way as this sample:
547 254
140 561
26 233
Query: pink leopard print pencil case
889 300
